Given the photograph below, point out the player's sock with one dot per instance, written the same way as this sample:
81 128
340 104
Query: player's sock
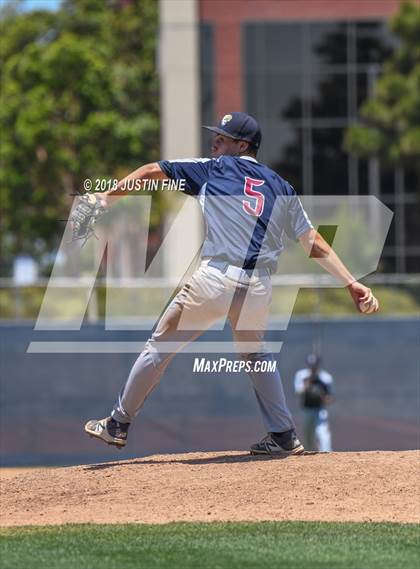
115 427
284 436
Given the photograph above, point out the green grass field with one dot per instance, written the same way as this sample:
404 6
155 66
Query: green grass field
294 545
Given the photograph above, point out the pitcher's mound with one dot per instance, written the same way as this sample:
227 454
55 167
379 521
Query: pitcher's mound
222 486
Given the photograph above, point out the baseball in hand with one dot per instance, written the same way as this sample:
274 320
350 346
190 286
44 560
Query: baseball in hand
369 306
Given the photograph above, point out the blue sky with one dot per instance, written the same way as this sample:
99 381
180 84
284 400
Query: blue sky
45 4
29 5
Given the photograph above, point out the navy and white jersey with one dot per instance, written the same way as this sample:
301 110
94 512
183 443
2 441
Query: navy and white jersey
313 394
246 206
322 375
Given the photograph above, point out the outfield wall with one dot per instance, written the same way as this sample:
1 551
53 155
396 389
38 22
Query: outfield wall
46 398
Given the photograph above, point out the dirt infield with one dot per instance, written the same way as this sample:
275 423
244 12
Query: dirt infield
222 486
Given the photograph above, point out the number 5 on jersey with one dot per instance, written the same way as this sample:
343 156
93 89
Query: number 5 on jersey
253 207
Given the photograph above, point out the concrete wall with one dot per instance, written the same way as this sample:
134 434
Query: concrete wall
46 398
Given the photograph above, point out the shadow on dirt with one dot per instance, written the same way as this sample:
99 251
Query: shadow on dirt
220 459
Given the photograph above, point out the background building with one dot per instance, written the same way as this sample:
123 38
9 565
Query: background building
302 68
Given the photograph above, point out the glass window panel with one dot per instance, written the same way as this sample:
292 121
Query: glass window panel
282 44
282 151
362 88
413 263
283 96
387 263
206 138
388 200
412 181
412 224
328 93
390 240
363 176
274 96
330 163
275 45
207 81
250 32
373 43
387 180
367 27
327 44
253 94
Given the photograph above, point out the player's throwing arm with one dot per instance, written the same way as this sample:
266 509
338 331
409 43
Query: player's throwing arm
317 248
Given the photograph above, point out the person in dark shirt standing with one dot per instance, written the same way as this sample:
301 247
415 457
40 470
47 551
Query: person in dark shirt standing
315 387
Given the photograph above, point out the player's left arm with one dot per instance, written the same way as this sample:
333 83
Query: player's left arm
317 248
91 206
151 171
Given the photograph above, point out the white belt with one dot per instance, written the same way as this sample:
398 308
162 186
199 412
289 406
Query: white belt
236 273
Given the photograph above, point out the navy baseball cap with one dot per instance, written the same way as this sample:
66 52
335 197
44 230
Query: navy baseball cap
239 126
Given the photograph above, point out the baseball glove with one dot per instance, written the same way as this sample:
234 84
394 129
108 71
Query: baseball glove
84 216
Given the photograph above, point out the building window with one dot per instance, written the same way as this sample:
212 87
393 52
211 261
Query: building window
206 82
305 82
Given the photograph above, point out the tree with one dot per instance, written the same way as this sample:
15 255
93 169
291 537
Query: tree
79 99
390 125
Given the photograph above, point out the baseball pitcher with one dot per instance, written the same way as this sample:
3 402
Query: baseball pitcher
247 208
